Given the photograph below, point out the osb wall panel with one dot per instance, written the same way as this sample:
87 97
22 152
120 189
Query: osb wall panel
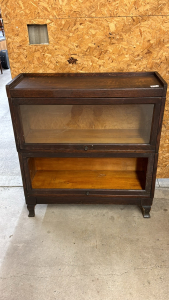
82 8
104 36
121 44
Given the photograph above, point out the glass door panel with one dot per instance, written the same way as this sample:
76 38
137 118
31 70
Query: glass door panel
95 124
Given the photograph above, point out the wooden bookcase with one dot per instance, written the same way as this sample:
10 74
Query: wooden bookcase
88 138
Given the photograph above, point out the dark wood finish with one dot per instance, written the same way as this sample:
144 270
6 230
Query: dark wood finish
146 211
69 146
154 174
88 85
31 210
139 162
2 27
102 171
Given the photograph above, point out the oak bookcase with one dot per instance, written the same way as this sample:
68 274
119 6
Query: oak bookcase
88 138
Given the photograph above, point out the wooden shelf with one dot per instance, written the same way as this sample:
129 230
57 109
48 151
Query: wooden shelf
100 136
88 173
128 180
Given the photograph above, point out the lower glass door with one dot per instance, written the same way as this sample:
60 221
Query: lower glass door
88 173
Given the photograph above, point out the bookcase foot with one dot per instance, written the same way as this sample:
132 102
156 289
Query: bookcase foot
31 209
146 211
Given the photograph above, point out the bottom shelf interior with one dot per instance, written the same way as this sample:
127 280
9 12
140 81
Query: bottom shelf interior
88 173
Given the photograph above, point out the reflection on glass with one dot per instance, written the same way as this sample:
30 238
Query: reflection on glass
117 124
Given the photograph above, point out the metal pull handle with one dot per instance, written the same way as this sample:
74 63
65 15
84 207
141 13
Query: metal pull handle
85 148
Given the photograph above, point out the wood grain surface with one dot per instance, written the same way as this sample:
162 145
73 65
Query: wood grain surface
102 179
88 173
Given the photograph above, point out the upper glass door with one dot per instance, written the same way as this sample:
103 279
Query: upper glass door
94 124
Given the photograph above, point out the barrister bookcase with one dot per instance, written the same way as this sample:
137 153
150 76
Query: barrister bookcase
88 138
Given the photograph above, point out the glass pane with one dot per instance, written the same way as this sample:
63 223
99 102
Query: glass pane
88 173
114 124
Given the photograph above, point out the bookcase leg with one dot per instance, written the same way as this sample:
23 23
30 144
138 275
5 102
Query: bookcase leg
146 211
31 209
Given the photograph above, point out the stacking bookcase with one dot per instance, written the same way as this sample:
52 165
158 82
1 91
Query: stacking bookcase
88 138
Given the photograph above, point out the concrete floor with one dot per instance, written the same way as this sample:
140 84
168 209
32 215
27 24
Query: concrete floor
77 252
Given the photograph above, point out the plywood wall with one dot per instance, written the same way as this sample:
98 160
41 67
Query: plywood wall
103 35
3 45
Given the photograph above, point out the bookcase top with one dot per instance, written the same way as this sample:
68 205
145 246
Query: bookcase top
85 85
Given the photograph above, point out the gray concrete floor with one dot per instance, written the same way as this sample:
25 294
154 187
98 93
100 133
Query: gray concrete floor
77 252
